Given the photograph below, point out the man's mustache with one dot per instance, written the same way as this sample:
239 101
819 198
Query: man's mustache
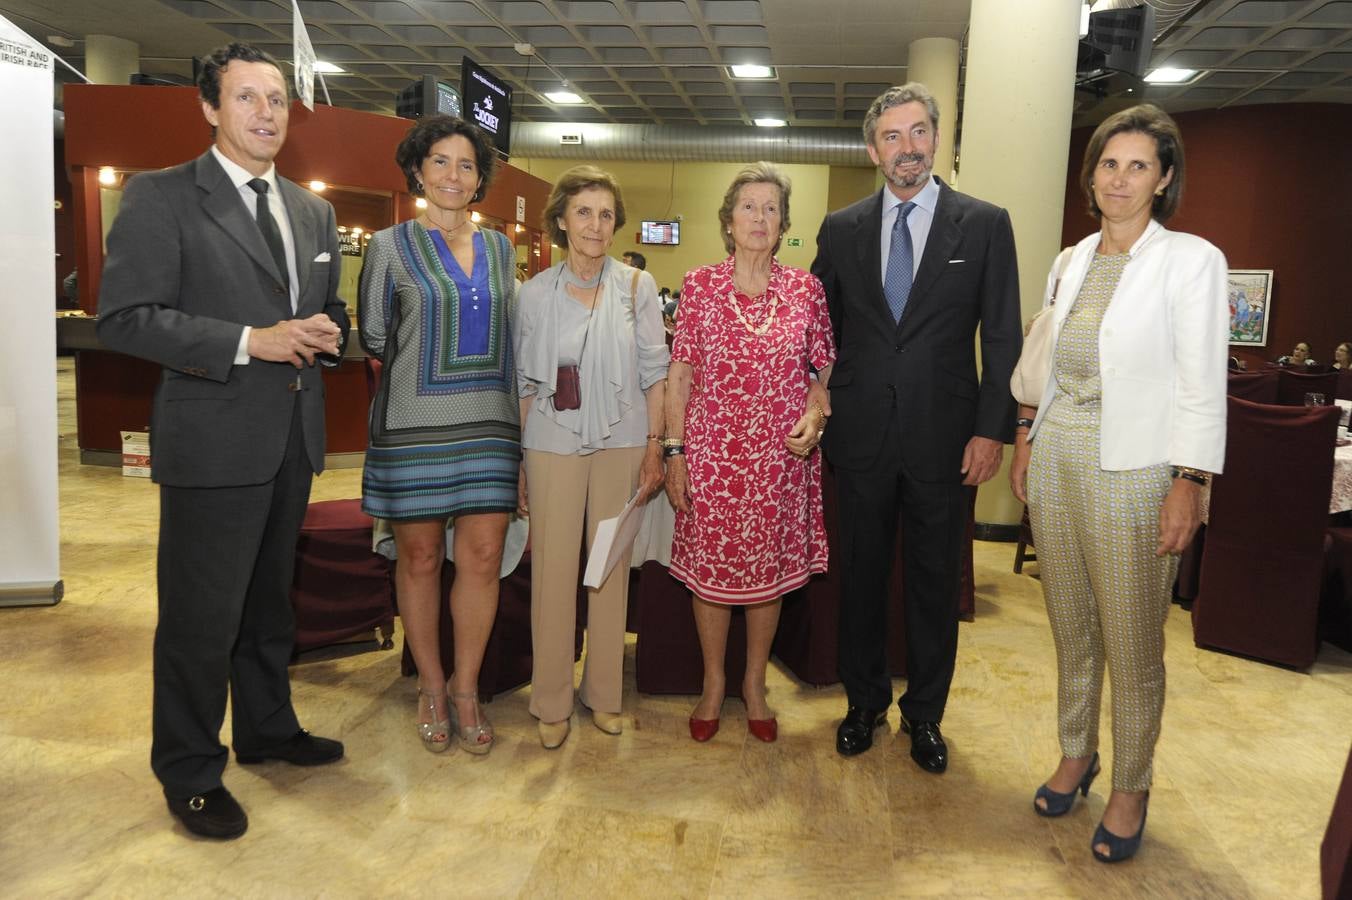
908 158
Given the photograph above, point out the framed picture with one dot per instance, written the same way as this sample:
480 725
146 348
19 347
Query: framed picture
1250 295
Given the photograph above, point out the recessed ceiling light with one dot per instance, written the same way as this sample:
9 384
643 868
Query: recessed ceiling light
318 186
562 97
770 123
60 40
1170 76
751 71
327 68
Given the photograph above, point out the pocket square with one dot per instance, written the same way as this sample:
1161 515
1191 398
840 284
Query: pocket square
323 257
952 261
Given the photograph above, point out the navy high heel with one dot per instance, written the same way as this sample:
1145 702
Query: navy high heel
1058 804
1119 848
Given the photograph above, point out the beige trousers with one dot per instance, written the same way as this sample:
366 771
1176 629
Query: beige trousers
563 491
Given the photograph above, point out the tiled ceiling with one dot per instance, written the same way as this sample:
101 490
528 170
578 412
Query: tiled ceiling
1258 51
664 61
634 61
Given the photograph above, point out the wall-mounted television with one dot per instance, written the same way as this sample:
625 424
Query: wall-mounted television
428 96
488 103
654 232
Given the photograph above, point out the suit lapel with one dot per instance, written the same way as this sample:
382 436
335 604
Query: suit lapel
303 232
944 234
222 202
868 235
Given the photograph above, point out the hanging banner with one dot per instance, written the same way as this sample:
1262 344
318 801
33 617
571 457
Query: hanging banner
304 57
30 547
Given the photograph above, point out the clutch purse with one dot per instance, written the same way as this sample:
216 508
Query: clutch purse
567 388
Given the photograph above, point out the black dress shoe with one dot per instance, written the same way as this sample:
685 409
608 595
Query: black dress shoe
213 814
303 749
927 745
855 734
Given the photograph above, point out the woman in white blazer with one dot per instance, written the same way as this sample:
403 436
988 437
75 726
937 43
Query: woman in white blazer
1112 461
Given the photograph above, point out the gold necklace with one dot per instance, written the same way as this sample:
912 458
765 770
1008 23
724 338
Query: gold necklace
757 330
447 232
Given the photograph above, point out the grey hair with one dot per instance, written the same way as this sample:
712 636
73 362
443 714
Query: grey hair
910 92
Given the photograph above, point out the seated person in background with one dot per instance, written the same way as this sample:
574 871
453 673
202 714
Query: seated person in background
1342 356
1299 356
635 259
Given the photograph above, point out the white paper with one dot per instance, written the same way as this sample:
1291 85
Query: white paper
303 55
614 537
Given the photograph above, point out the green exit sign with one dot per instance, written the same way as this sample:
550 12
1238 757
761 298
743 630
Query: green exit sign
794 242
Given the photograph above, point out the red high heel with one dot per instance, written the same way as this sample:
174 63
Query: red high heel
703 730
766 730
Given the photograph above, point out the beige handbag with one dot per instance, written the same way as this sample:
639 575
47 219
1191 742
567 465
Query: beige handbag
1030 375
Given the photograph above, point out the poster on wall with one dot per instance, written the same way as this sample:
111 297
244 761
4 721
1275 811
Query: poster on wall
304 56
1250 294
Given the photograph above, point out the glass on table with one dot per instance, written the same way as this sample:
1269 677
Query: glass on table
1314 398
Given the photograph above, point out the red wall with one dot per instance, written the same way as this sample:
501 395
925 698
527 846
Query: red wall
1271 186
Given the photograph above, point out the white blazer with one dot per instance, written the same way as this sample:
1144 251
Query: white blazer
1163 347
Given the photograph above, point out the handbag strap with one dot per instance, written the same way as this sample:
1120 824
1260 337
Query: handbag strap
1062 263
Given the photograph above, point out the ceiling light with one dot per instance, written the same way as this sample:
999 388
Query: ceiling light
327 68
562 97
317 186
751 71
1170 76
475 217
770 123
420 202
107 175
60 40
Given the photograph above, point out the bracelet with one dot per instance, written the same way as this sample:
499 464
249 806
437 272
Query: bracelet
673 450
673 442
1196 476
656 438
1023 422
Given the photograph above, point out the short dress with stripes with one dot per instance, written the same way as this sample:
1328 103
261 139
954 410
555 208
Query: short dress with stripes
445 427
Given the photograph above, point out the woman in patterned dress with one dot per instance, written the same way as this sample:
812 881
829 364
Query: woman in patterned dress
437 302
592 369
744 417
1130 426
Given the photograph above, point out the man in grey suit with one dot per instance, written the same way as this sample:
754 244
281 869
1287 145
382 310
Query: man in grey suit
227 275
910 272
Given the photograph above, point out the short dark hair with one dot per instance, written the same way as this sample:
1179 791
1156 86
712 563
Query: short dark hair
417 146
209 79
575 181
636 259
1150 120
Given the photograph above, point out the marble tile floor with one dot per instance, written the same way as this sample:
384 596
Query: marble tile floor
1245 776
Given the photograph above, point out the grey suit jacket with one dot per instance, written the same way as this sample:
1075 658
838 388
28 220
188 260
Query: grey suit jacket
923 368
187 268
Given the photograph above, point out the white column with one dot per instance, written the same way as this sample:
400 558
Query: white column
934 63
111 60
1015 133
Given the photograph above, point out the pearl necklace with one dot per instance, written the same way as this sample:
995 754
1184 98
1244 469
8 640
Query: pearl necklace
757 330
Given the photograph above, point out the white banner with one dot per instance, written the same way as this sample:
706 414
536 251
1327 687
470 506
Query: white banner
29 537
304 58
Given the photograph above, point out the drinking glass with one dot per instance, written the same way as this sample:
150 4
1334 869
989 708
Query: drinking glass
1314 398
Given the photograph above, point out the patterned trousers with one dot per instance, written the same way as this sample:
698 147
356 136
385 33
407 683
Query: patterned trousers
1107 592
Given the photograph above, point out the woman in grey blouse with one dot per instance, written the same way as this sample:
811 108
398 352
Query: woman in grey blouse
591 368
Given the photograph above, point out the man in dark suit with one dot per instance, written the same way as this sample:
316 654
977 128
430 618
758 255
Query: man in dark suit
910 273
227 275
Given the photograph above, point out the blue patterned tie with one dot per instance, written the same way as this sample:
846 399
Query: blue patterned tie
900 264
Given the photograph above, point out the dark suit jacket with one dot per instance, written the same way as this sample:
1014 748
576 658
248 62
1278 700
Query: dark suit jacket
187 267
923 369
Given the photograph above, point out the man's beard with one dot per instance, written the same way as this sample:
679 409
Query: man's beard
900 180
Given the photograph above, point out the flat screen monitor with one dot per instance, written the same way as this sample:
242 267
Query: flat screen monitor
660 233
488 103
428 96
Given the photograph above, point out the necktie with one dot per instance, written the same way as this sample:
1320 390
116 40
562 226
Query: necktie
272 235
900 264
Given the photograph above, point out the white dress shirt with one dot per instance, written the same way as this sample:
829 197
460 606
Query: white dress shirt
918 222
240 178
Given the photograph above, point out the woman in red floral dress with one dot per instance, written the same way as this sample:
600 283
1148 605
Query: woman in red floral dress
744 417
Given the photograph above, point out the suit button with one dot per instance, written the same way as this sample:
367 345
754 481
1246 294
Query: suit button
899 348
